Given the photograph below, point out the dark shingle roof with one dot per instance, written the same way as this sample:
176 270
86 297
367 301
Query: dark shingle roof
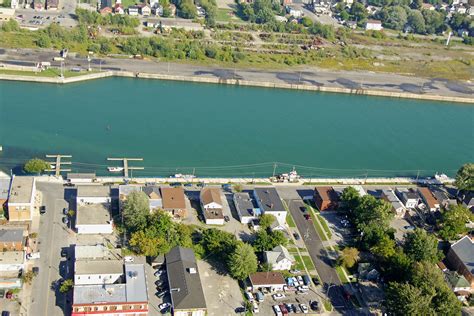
269 200
464 249
180 263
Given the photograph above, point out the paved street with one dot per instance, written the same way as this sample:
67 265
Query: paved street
46 299
298 75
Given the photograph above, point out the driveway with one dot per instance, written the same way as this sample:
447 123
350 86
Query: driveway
319 256
222 293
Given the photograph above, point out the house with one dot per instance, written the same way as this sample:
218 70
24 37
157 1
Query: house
89 272
428 198
94 252
461 258
93 194
52 4
154 196
154 3
105 3
11 262
279 258
38 5
4 190
94 218
133 10
468 201
105 10
211 205
184 282
14 5
294 12
21 201
77 178
458 283
397 206
246 208
174 201
269 202
144 9
271 281
125 298
408 197
325 198
373 25
443 198
118 9
12 240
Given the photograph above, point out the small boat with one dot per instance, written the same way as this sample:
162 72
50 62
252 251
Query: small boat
177 175
115 169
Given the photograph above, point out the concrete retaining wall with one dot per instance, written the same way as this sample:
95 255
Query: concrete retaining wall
130 74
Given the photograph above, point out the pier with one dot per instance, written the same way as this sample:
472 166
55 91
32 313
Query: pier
126 167
58 163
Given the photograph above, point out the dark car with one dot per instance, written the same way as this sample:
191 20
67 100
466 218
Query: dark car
65 220
306 280
65 211
5 313
296 235
188 184
289 307
64 253
240 309
226 218
176 184
314 305
42 209
316 281
307 217
35 270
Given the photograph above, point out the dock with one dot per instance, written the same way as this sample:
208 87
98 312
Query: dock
58 164
126 167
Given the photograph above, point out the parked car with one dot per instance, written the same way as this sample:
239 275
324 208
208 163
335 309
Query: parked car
259 296
36 270
163 306
304 308
289 308
307 217
65 211
295 271
255 309
316 281
278 296
128 259
64 252
5 313
161 294
240 310
296 235
295 308
249 296
303 288
226 219
306 280
277 310
42 209
65 220
283 309
314 305
159 273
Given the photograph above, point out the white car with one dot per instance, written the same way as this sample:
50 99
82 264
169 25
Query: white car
163 306
304 308
249 296
277 310
255 309
303 288
128 259
278 296
159 273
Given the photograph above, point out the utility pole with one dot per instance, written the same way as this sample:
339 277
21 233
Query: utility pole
274 169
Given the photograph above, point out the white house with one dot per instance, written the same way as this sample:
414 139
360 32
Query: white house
271 281
269 202
133 10
87 272
374 25
409 198
145 10
93 194
211 205
246 210
397 206
279 258
94 219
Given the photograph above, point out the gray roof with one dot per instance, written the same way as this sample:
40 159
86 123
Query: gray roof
91 294
98 267
11 235
243 204
126 189
135 279
269 200
152 189
183 274
277 254
4 188
21 189
93 191
98 251
464 249
93 214
392 198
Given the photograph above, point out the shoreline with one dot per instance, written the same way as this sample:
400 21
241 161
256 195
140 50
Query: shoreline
237 82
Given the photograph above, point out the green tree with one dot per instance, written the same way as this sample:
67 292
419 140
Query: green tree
266 221
66 286
434 21
417 21
348 257
306 21
135 211
406 299
144 243
419 246
453 222
398 267
394 17
465 178
27 277
242 262
359 12
218 243
350 199
10 25
36 165
263 241
385 247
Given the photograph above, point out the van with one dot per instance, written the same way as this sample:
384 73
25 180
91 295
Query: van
306 280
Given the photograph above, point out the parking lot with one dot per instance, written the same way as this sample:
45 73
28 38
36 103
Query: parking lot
296 302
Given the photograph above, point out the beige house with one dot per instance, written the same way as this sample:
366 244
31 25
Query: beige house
21 201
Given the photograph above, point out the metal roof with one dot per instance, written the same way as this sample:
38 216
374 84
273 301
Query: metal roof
21 189
135 280
11 235
93 191
269 200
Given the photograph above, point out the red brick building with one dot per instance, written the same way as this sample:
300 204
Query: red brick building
325 198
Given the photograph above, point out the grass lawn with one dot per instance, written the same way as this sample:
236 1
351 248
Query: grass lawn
292 249
50 73
223 15
341 274
327 305
289 220
325 225
299 263
318 227
308 262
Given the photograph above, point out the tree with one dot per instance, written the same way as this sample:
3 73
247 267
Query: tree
465 178
66 286
135 211
27 277
10 25
416 21
36 165
419 246
406 299
370 210
398 267
263 241
350 198
434 21
266 221
218 243
385 247
394 17
242 262
453 222
359 12
306 21
349 257
146 244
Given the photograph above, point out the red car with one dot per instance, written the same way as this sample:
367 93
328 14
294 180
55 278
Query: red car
307 217
9 295
283 309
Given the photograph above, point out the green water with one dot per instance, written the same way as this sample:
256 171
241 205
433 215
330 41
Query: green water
225 130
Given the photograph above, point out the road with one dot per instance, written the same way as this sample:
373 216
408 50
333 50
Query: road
297 75
46 299
321 261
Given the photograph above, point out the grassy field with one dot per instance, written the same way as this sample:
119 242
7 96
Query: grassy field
299 262
341 275
308 262
317 226
50 73
324 223
289 220
223 15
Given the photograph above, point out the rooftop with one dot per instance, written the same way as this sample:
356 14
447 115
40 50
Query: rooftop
277 254
464 249
183 274
153 192
4 188
408 194
95 252
428 197
215 213
12 257
136 289
173 198
264 278
93 214
126 189
11 235
93 191
210 195
21 189
244 204
326 193
98 267
93 294
269 200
